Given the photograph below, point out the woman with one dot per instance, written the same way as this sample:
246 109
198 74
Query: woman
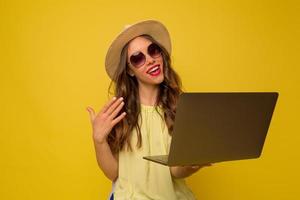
139 120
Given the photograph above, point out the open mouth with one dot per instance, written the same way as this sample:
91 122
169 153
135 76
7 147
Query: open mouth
154 71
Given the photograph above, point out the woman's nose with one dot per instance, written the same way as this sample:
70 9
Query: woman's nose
149 59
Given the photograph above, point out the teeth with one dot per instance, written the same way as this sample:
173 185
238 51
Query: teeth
153 69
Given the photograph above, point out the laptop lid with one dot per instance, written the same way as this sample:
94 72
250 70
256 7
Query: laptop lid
216 127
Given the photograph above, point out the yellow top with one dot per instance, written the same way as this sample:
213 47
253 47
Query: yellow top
140 179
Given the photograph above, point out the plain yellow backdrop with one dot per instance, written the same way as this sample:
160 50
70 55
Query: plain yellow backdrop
52 67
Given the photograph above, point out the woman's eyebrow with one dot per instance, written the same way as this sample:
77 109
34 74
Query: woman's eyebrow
138 51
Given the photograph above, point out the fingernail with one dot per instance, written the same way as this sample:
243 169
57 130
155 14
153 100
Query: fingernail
121 98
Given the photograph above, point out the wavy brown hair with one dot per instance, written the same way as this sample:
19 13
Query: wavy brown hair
126 86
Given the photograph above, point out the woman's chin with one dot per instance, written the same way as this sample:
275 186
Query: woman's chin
157 80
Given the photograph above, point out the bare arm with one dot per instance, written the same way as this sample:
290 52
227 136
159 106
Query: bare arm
102 124
107 162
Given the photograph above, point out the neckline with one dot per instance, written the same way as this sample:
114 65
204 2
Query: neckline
147 107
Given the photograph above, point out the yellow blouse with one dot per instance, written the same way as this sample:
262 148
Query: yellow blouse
140 179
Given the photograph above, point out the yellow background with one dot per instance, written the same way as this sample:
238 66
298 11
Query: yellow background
52 67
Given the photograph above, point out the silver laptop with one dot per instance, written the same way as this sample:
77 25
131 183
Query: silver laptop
217 127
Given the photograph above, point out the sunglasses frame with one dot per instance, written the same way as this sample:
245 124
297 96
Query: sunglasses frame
143 58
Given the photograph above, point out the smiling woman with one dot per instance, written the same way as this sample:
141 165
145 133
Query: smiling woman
140 120
146 67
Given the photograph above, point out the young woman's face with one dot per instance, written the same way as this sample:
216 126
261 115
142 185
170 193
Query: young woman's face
149 72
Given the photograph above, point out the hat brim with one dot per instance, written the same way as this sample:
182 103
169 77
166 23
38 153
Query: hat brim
150 27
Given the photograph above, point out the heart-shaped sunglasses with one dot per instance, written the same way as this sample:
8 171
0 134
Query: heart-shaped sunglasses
138 59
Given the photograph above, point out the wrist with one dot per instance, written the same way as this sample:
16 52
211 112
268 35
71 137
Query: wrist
100 141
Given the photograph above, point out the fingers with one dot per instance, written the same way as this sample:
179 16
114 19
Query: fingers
200 166
111 109
106 107
205 165
119 118
113 106
117 110
196 167
91 113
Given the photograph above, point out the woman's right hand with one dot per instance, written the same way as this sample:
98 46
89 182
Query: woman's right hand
106 119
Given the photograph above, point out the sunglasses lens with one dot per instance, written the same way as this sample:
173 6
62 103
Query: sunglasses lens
154 50
138 59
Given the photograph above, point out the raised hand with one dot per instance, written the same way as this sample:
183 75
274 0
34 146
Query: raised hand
106 119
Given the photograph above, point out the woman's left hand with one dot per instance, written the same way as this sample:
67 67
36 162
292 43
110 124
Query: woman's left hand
194 168
185 171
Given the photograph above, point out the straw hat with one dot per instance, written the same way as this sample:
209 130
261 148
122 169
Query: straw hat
150 27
